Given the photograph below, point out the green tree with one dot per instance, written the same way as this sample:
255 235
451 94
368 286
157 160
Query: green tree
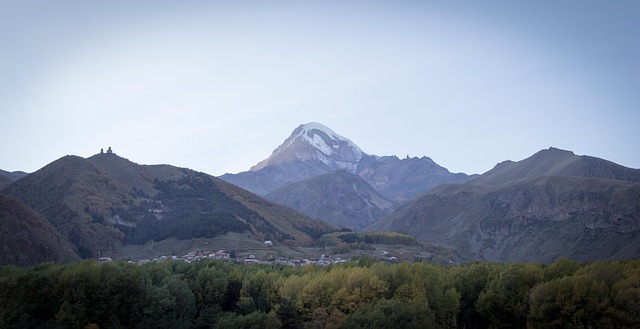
505 298
390 313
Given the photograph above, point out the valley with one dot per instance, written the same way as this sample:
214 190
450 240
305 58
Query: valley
315 185
240 247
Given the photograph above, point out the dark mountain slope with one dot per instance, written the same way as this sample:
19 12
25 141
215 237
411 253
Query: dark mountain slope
539 219
556 162
293 227
531 218
26 238
4 182
339 198
13 175
104 201
77 200
8 177
403 179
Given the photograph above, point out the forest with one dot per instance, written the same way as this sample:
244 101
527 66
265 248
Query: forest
195 207
361 293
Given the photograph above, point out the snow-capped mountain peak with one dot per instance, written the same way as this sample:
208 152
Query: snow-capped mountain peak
313 132
316 146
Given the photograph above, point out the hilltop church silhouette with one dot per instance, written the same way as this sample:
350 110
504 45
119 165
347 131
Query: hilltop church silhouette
109 151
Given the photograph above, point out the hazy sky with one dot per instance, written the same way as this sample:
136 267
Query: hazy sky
216 86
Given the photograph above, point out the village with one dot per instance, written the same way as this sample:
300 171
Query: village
246 249
230 257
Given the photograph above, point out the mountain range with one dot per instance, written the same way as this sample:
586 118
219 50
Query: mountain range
327 176
99 203
552 204
313 149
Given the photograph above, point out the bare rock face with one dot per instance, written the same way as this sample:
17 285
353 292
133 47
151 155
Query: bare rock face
340 198
402 179
553 204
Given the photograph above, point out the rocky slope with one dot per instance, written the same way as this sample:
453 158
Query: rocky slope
402 179
553 204
340 198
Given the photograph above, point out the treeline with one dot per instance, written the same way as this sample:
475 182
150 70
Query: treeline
389 238
357 294
347 241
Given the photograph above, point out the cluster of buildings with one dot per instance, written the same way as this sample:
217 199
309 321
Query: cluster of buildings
225 256
322 261
192 257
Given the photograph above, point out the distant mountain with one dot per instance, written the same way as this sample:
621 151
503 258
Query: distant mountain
340 198
27 239
104 201
313 150
402 179
4 181
315 147
13 175
556 162
553 204
7 177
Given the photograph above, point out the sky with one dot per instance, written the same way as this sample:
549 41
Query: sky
216 86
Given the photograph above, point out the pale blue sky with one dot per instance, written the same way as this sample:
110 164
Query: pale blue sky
216 86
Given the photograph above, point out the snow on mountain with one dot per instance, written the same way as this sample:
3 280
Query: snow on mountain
313 149
309 133
315 144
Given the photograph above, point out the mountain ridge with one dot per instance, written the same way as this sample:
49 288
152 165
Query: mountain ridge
556 162
103 201
313 150
538 209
